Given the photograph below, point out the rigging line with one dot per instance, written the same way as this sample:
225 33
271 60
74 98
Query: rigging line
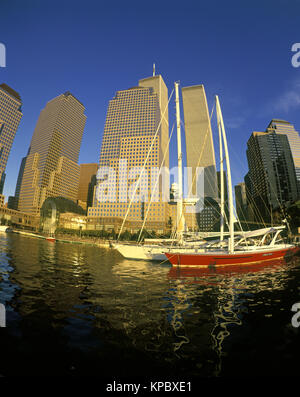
252 200
154 190
255 207
217 210
145 162
258 214
200 158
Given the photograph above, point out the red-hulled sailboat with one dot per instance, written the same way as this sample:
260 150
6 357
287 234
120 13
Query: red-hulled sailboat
245 250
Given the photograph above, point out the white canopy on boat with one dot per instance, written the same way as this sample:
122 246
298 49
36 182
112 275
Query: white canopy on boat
261 232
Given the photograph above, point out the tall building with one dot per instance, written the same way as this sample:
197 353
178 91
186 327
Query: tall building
241 201
199 141
51 168
10 117
286 128
87 181
271 172
136 131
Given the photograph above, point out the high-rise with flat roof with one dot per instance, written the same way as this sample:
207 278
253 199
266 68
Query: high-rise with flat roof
51 168
135 135
10 117
271 172
288 129
199 141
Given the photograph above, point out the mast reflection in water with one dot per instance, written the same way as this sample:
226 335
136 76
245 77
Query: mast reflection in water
81 310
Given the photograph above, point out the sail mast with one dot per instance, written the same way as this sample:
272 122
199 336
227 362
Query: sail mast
180 196
230 198
221 178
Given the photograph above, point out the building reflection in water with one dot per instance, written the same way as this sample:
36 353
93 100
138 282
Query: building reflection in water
91 300
232 290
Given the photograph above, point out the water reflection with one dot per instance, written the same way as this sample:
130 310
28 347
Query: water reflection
234 290
90 306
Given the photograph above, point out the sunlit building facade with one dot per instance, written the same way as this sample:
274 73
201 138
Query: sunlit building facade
199 142
134 146
51 168
10 117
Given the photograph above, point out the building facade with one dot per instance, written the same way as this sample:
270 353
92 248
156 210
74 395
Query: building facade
10 117
271 178
51 168
87 182
134 147
199 142
284 127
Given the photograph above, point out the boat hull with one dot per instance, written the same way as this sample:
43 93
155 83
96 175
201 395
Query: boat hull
216 259
51 239
140 252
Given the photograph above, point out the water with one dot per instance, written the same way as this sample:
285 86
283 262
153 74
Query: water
81 310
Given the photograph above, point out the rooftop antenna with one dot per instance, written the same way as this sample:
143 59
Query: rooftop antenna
153 69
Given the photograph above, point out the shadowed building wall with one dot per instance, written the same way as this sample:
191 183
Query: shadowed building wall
286 128
86 183
271 172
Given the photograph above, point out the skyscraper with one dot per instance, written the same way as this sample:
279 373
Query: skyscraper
199 142
271 172
286 128
51 167
10 117
135 134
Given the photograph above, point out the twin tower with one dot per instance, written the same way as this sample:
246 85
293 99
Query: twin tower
136 130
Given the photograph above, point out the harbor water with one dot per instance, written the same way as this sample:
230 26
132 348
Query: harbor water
75 309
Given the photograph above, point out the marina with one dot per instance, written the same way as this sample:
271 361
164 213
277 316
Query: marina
72 307
150 192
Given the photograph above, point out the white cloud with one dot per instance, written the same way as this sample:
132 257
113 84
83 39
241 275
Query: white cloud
235 122
289 100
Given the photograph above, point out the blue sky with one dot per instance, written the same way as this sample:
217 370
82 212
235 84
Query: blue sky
240 50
